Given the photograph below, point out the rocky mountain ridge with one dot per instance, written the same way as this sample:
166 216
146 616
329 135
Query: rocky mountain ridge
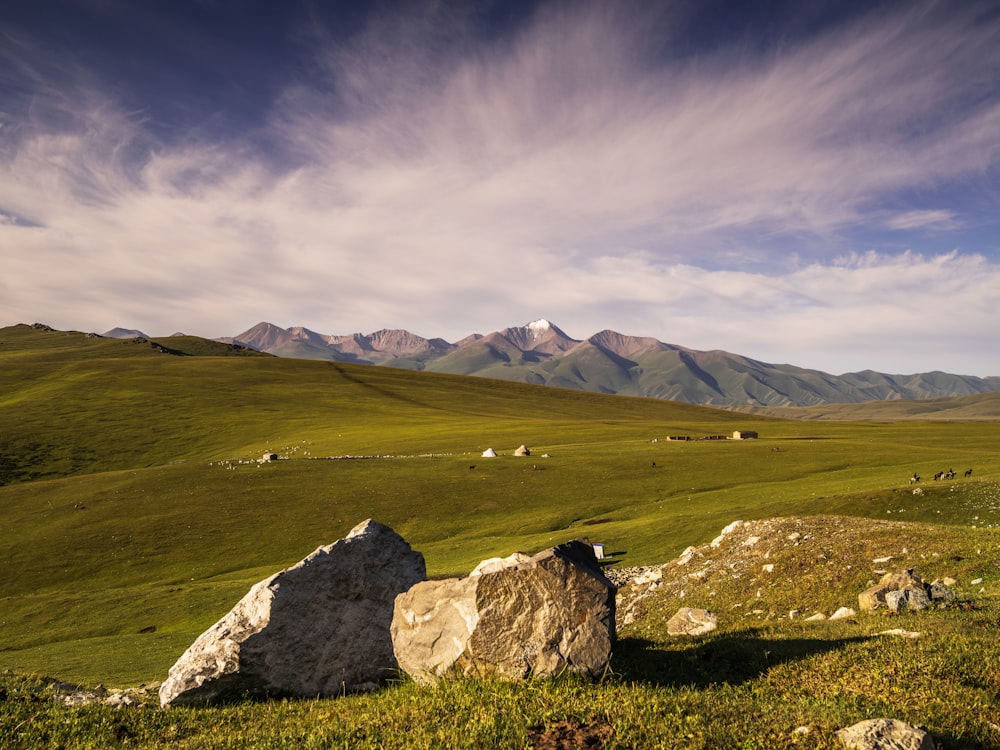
610 362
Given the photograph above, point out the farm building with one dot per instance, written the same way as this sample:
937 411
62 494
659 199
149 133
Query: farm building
744 435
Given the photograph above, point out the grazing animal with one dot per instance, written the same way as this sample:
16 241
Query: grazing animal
473 466
914 479
968 472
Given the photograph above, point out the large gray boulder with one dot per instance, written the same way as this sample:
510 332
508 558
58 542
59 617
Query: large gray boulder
320 627
540 617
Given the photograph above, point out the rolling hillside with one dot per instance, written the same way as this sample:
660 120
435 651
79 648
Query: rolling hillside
136 512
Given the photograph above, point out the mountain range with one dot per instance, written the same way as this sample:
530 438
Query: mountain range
607 362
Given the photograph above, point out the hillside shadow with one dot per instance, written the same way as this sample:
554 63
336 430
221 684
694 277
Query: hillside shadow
732 659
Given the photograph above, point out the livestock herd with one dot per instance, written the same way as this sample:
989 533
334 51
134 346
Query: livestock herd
950 474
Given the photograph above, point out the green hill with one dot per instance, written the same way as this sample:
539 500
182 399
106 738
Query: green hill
135 512
983 407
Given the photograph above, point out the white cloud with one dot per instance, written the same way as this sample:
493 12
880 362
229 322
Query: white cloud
564 174
926 218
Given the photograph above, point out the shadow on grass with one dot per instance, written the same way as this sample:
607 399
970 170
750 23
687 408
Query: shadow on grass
730 659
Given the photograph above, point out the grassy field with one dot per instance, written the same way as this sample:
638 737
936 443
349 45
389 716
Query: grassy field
135 514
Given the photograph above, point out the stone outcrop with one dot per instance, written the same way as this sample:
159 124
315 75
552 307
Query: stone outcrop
513 618
904 591
691 621
885 734
320 627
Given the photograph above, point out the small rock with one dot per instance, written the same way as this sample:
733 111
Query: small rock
726 532
886 734
690 621
843 613
976 581
685 556
769 568
816 617
901 633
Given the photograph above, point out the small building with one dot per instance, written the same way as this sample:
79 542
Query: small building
744 435
598 550
268 457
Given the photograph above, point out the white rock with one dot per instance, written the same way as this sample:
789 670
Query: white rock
976 581
648 577
901 633
690 621
885 734
816 617
726 532
685 556
769 568
843 613
493 564
320 627
551 614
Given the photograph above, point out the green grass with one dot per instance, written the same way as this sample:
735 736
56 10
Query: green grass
130 525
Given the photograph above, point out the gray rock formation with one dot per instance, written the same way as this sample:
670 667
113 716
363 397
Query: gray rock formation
885 734
690 621
320 627
552 613
904 591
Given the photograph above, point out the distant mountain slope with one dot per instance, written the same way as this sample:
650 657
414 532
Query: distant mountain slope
980 407
301 343
611 362
124 333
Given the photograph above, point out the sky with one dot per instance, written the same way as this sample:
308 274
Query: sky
806 183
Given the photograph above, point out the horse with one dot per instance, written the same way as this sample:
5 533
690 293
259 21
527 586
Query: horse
968 472
914 479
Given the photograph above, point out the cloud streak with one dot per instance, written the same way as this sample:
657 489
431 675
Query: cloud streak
574 169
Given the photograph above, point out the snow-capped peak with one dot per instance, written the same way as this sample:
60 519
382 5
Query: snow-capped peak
540 326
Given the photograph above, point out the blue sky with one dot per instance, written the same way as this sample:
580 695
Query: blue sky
806 183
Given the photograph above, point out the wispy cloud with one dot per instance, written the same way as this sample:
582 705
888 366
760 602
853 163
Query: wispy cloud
574 170
927 218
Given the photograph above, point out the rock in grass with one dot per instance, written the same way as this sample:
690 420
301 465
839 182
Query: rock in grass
318 628
540 617
843 613
885 734
690 621
904 591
